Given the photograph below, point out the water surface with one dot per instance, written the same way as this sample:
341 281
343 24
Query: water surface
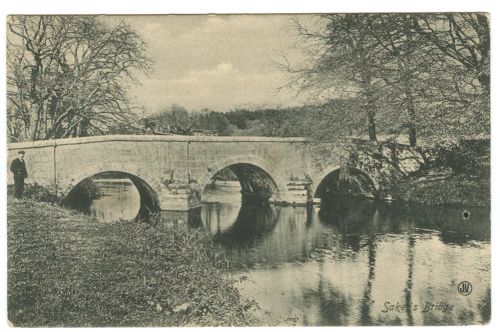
356 262
346 262
118 199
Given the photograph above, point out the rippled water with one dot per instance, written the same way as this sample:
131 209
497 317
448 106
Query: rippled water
348 262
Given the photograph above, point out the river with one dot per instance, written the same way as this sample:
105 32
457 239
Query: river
346 262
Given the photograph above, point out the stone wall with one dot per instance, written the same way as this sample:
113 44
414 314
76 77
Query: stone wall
178 168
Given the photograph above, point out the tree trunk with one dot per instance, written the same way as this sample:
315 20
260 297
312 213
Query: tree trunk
369 103
412 134
34 123
372 134
412 130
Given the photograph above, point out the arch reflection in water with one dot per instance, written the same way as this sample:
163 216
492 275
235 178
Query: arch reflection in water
221 202
232 221
341 263
112 196
119 199
239 225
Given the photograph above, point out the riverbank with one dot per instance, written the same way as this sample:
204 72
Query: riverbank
443 188
457 174
66 269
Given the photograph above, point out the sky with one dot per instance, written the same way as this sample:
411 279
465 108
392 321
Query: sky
219 62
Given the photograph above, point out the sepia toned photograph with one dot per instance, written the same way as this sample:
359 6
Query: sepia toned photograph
248 170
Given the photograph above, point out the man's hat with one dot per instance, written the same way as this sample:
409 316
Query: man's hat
21 152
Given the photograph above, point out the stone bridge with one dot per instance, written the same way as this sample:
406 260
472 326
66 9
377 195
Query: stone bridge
174 170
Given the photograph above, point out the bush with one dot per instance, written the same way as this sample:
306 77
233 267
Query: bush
40 193
462 156
82 195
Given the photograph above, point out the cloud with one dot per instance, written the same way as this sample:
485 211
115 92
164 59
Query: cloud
221 88
215 61
193 76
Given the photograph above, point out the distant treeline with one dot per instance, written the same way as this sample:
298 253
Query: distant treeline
328 121
317 122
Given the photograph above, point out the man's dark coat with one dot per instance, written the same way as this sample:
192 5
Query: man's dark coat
18 167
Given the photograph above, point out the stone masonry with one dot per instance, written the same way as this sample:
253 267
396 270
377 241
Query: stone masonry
176 169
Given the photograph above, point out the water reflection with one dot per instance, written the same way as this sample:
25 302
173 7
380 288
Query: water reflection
358 262
118 199
348 262
229 230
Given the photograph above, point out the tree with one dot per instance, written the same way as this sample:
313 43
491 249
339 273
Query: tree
426 74
463 40
342 61
436 67
173 119
463 37
68 75
408 67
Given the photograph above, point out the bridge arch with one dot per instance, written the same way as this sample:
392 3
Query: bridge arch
149 201
364 183
316 181
66 184
257 177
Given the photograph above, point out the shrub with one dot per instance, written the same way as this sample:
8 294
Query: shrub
462 156
40 193
81 197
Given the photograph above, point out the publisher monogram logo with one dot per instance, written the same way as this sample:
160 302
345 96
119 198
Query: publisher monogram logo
465 288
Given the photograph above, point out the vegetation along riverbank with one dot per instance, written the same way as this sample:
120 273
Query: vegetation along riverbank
458 175
66 269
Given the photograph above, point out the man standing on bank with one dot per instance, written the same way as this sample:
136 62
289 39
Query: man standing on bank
18 167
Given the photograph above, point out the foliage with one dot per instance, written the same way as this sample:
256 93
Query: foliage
423 74
457 174
81 196
376 75
66 269
67 74
445 189
462 94
321 121
462 156
342 62
40 193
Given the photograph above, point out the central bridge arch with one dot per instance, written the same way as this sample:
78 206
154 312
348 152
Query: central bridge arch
258 178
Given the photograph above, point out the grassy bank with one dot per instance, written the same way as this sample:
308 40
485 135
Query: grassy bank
66 269
438 187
